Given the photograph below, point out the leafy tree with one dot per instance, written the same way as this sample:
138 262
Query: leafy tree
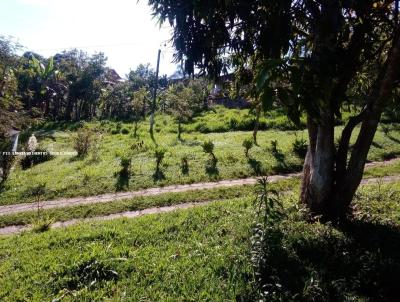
86 90
139 99
247 145
10 107
309 55
180 100
115 101
201 88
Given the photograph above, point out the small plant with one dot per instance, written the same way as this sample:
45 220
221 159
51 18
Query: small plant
185 165
211 166
42 224
300 147
95 149
83 141
208 147
39 156
125 163
159 155
267 203
36 191
124 174
247 145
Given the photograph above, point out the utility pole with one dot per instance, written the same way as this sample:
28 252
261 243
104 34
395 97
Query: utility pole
153 105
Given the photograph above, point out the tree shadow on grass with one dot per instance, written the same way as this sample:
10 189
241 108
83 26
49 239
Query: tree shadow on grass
392 138
212 169
376 145
358 261
122 183
158 175
256 166
280 159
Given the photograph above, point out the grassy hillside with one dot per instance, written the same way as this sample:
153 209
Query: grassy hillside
67 176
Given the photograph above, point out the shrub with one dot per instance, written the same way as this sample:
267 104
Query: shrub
115 131
300 147
159 155
95 148
233 123
83 141
6 160
185 165
124 131
208 147
211 166
39 156
247 144
36 191
125 163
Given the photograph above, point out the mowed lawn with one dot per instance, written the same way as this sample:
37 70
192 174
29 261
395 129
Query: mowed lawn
212 253
67 176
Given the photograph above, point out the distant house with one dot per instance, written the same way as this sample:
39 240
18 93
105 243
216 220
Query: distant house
219 95
111 77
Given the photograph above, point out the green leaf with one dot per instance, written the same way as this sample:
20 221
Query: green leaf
267 98
49 68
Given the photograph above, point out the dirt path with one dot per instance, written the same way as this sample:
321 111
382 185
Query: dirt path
16 229
110 197
11 230
62 203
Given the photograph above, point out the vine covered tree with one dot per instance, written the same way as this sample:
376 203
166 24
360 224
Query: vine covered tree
309 56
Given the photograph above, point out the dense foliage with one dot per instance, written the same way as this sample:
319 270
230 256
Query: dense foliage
308 56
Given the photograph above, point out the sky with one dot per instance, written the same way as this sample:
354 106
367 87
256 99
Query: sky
123 29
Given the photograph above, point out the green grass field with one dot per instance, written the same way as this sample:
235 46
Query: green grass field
197 255
204 254
67 176
216 252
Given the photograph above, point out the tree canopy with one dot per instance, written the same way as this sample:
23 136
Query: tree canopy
308 56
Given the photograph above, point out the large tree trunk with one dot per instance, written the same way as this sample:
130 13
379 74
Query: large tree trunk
319 165
330 180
